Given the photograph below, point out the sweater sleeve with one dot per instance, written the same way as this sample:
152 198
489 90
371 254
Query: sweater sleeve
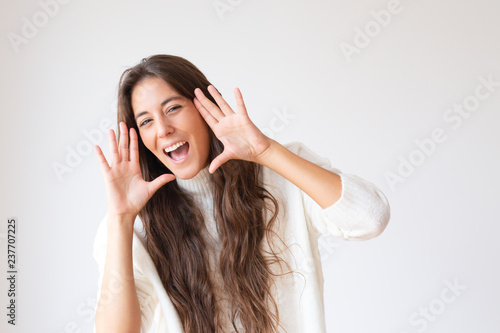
361 213
146 294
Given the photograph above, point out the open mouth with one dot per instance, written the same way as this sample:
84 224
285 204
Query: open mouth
177 152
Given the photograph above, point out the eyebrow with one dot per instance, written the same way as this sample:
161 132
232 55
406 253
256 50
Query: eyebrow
162 103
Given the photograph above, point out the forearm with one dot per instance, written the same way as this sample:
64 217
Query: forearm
118 309
323 186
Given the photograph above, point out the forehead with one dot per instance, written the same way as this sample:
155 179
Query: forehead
152 91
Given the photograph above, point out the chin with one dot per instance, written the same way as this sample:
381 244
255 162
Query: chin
186 173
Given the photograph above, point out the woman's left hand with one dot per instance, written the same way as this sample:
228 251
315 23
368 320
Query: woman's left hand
241 138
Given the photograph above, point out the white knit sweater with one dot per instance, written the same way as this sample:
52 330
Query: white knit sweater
361 213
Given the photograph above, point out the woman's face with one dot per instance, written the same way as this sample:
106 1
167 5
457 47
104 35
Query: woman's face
171 127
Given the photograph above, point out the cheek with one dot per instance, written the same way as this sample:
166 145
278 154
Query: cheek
201 128
146 140
204 138
206 135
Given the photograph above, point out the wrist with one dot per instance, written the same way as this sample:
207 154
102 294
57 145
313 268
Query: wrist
268 155
121 218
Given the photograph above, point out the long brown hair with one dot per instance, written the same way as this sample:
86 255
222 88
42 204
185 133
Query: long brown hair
244 212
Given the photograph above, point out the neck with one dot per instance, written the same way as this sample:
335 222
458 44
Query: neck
198 185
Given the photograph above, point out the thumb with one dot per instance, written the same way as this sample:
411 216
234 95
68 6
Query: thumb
154 185
219 160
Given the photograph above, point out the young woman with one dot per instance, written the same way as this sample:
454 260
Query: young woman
229 219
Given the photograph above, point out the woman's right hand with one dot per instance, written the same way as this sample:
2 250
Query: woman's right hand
126 190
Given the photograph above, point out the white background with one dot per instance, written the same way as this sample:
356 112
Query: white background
364 112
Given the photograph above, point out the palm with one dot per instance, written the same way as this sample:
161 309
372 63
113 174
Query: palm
241 138
234 132
130 191
126 190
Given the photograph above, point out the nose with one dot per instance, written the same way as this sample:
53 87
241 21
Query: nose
164 128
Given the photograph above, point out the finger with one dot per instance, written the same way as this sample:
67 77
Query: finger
239 101
154 185
221 102
124 151
134 146
211 121
209 106
103 163
218 161
113 147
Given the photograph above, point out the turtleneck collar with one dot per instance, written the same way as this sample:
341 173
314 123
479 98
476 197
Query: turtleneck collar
198 185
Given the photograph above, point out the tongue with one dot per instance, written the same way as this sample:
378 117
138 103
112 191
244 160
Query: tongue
180 152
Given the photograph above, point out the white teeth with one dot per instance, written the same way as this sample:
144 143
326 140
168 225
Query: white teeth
174 147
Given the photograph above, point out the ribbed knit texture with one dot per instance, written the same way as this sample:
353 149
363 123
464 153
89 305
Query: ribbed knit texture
361 213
